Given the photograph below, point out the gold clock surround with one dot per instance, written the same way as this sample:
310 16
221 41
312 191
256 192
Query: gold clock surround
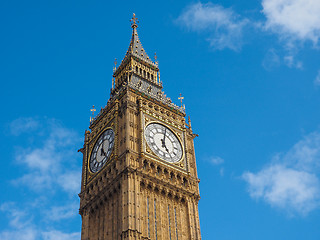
148 150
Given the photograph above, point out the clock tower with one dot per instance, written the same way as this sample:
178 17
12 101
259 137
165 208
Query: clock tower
139 176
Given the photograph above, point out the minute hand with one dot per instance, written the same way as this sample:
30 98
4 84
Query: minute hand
163 140
164 136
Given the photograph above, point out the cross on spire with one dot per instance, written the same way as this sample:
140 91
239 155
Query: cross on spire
181 98
134 21
92 110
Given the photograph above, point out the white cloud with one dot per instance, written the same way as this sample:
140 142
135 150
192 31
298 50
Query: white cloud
271 60
217 160
57 235
295 22
70 181
291 62
223 27
22 125
291 181
17 218
317 80
48 165
42 159
274 59
23 228
31 233
57 213
221 171
20 222
24 234
285 188
294 19
305 154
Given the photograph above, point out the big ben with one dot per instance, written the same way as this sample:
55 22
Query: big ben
139 176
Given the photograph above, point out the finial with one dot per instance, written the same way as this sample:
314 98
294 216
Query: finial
114 69
92 110
156 58
189 123
115 65
134 21
181 98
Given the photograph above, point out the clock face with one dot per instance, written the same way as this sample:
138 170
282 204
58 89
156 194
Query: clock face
163 142
101 150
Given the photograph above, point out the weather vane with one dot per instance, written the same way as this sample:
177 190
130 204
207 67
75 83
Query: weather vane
92 110
181 98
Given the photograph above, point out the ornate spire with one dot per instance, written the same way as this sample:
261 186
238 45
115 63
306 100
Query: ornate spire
139 72
135 48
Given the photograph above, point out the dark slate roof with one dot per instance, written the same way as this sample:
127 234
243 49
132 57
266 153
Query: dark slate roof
136 48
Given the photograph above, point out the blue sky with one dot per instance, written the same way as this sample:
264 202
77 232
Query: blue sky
250 75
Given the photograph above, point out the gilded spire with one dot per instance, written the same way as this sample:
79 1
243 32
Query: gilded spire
135 48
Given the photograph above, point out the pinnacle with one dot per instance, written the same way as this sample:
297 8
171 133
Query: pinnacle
136 48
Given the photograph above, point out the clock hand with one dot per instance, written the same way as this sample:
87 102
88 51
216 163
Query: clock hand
164 136
164 145
163 140
103 153
166 148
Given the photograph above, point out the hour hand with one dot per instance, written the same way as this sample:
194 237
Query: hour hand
166 148
164 144
103 153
